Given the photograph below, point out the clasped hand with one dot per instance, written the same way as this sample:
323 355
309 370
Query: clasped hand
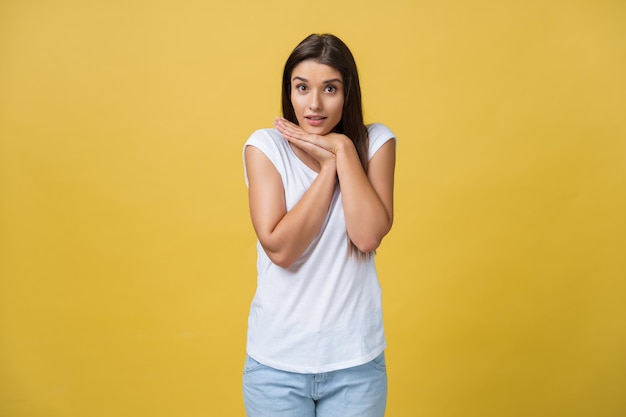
320 147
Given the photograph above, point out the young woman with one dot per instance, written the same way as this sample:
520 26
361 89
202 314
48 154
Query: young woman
321 200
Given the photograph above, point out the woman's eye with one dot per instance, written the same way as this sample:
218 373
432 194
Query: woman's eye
301 87
331 88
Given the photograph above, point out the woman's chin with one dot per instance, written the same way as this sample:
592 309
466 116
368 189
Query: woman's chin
316 130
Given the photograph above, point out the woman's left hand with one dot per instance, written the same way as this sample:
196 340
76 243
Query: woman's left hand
331 142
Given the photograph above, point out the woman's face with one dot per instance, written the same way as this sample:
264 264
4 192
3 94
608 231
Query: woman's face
317 96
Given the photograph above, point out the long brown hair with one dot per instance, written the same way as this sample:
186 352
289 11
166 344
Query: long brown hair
329 50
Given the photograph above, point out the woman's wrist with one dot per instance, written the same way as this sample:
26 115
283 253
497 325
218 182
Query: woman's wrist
343 144
329 165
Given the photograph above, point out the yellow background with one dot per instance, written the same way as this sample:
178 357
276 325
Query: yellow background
126 251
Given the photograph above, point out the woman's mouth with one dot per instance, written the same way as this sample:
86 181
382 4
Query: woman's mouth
315 120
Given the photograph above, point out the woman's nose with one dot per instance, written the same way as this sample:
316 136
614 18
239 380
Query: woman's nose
315 104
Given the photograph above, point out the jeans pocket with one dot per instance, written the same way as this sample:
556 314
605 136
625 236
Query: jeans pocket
251 365
379 362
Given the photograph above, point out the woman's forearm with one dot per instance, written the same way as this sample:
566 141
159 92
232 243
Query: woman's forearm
297 228
368 209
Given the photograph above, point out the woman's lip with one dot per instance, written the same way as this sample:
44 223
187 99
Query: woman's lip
315 120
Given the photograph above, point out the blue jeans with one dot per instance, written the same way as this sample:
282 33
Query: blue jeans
360 391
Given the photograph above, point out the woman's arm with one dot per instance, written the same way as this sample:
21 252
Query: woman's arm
285 235
367 198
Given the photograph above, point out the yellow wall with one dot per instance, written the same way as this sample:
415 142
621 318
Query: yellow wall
126 251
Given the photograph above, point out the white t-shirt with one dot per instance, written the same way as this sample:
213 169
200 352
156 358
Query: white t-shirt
323 313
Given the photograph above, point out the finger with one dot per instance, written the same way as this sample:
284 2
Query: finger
315 151
287 126
287 123
292 131
281 126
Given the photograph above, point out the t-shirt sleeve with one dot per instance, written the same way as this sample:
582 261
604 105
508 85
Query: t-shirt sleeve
262 140
379 134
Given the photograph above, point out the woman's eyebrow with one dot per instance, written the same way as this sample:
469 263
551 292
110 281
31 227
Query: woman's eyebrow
334 80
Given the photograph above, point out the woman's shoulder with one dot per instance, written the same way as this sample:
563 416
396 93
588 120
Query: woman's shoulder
271 143
379 134
376 130
266 138
265 134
